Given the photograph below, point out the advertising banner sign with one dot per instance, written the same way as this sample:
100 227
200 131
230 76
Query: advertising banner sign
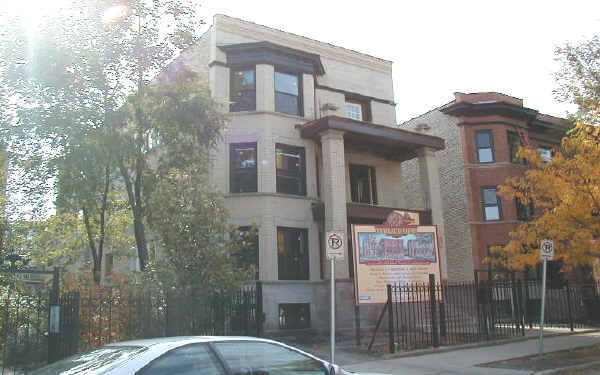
392 254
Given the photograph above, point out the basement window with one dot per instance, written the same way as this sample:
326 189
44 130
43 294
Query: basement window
294 315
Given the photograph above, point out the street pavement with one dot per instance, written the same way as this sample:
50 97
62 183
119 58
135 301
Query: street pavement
465 361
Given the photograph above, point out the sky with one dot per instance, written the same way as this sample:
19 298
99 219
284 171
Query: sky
440 47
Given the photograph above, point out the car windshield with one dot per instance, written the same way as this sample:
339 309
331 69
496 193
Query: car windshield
97 361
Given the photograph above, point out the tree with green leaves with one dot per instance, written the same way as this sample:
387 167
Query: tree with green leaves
105 113
579 78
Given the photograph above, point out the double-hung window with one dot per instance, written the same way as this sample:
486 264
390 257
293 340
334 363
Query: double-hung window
492 210
292 253
243 90
291 170
485 146
514 142
287 93
354 111
524 211
242 168
545 153
363 186
248 254
358 108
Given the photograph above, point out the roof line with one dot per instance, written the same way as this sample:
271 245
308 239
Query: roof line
423 114
304 37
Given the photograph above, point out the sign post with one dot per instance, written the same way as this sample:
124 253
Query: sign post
335 251
546 254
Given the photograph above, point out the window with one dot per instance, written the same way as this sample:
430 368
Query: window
354 111
248 256
251 357
358 108
291 172
292 253
287 94
491 204
243 90
242 168
363 187
514 142
485 146
294 315
546 153
524 211
190 359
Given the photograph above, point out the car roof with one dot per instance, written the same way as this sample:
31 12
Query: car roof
183 340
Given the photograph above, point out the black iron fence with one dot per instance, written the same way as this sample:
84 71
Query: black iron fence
28 338
433 314
24 329
38 326
93 318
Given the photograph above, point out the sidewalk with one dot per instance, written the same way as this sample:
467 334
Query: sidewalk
465 361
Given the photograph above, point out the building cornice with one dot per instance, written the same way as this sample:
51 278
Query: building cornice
257 32
289 59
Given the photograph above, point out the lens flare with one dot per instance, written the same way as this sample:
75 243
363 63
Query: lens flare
114 14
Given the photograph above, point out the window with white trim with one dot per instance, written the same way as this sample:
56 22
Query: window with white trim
354 111
492 210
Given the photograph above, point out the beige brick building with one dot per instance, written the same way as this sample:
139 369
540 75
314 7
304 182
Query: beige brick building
312 146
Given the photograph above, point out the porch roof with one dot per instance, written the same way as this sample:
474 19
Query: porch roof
361 136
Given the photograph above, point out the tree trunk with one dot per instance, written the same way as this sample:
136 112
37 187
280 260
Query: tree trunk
97 272
140 240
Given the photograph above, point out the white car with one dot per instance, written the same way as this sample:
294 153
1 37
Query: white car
194 355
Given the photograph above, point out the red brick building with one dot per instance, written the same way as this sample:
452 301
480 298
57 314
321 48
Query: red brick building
483 132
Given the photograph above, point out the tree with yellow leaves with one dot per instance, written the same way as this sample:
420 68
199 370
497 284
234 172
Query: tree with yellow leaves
565 191
566 194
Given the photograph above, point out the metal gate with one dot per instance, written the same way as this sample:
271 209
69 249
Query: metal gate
29 317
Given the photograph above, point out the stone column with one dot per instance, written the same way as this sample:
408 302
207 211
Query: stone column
429 173
334 191
308 96
218 77
265 88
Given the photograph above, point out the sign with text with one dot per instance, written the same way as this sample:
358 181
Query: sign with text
547 249
387 254
336 245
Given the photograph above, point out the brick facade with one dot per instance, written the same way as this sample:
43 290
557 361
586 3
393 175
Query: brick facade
452 180
462 176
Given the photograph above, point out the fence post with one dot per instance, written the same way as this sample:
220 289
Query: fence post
521 309
54 319
516 301
526 304
478 302
442 310
432 307
259 309
391 319
76 323
569 309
